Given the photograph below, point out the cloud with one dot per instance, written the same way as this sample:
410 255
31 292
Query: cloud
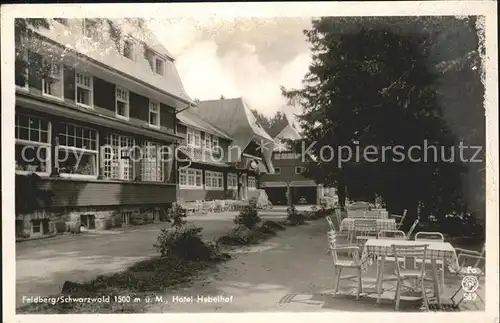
250 59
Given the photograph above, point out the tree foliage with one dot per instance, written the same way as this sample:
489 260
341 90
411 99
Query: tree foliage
268 123
378 82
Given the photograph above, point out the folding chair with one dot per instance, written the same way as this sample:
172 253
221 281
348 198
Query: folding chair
432 236
415 251
400 218
412 229
478 263
392 234
339 264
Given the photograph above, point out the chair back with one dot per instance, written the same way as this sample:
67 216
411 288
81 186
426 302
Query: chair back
365 225
411 251
332 243
338 215
330 222
391 234
429 236
413 227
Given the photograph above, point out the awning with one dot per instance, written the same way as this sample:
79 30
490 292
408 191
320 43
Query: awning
309 183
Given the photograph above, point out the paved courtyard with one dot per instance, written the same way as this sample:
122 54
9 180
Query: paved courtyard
42 266
291 272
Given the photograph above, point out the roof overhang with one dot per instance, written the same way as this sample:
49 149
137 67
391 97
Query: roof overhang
64 109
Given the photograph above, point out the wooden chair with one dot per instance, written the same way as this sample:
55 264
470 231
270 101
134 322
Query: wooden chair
468 259
415 251
354 261
432 236
400 219
395 235
330 223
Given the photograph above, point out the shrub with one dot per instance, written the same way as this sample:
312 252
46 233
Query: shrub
185 243
294 217
248 217
273 225
177 215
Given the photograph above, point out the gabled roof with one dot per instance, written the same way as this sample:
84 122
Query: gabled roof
289 132
105 51
192 120
278 127
234 117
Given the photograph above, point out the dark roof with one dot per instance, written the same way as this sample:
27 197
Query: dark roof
190 119
278 127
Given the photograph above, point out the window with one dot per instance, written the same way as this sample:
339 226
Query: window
122 105
52 82
116 157
214 180
194 138
32 144
232 181
90 29
83 89
36 226
208 141
252 184
151 163
154 114
77 151
299 170
127 48
159 66
277 170
277 156
190 178
215 142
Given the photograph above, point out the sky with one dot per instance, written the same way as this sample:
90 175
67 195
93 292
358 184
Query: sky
249 58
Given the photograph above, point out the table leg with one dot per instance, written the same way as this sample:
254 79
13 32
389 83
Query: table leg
380 278
435 281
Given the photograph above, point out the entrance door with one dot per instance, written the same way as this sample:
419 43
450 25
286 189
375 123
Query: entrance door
243 187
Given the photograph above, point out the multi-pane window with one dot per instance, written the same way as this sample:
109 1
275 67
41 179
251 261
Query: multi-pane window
252 182
77 151
214 180
83 88
159 66
190 178
52 82
127 48
154 113
208 141
232 181
32 144
286 155
116 157
152 163
122 102
193 138
215 142
90 28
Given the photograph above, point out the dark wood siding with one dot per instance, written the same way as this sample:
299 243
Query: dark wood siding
35 71
139 107
69 193
104 94
69 83
167 116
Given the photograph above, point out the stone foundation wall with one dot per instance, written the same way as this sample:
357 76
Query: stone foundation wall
70 220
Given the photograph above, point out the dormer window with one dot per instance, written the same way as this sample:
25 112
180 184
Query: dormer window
127 48
159 66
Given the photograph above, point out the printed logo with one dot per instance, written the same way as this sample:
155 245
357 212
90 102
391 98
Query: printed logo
470 284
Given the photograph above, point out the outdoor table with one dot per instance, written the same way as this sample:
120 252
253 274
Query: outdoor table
436 250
